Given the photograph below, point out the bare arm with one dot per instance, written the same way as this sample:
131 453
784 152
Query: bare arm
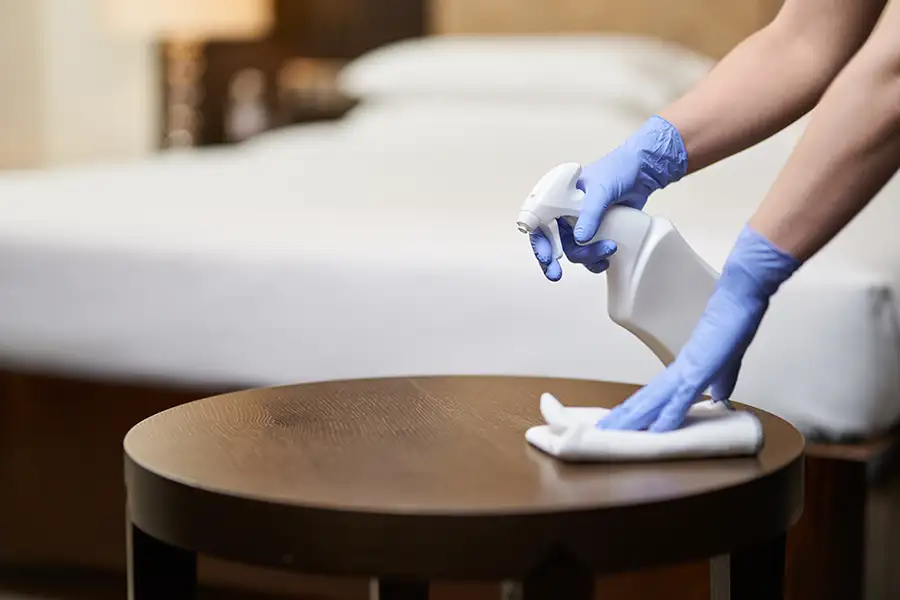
772 78
849 151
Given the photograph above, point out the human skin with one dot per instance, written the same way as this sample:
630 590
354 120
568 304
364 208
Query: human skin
772 78
767 82
849 151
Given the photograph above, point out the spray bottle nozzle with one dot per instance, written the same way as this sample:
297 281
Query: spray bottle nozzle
527 221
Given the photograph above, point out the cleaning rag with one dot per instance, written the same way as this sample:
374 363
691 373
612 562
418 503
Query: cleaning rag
710 429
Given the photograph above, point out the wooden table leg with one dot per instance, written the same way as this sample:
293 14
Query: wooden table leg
755 573
558 577
402 590
157 570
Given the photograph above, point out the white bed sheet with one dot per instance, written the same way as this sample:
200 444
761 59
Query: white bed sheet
386 245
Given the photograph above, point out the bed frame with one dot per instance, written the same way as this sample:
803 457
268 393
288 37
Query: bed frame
311 29
62 500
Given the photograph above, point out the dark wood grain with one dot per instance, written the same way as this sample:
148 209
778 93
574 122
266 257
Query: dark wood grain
826 557
832 546
431 478
63 435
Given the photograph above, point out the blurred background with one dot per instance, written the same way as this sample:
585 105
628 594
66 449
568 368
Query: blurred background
94 80
170 175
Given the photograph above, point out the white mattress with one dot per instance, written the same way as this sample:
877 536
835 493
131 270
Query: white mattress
386 245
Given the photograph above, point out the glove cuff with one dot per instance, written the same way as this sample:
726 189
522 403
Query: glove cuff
756 267
661 151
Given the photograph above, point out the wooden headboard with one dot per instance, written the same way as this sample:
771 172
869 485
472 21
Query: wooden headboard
330 29
711 27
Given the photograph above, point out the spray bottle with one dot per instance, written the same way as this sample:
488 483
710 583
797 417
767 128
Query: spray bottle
657 286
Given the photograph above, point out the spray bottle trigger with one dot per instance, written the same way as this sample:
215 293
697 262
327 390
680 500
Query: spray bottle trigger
551 232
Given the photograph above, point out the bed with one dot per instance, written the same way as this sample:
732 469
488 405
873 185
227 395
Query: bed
385 244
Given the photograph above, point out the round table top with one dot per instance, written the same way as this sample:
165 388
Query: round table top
432 476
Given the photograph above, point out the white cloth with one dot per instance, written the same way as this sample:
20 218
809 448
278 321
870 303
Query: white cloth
709 430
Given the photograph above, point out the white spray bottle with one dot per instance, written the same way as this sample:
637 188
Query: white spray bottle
657 286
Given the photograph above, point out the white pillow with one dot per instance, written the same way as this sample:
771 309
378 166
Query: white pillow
638 72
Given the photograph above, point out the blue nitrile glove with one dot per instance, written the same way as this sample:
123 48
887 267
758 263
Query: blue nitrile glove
652 158
712 356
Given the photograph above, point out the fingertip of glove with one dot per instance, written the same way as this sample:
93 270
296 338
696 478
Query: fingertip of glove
584 229
553 271
663 425
581 237
607 422
598 267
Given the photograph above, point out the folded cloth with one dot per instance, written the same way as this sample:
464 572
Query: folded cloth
711 429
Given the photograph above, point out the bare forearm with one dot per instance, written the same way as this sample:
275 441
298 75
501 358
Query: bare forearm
849 151
771 79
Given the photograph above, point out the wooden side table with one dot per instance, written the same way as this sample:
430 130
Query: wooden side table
413 479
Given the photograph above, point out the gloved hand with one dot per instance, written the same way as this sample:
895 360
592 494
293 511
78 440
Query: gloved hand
712 356
652 158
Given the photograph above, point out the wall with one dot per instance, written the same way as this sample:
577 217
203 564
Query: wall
71 91
20 131
711 27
